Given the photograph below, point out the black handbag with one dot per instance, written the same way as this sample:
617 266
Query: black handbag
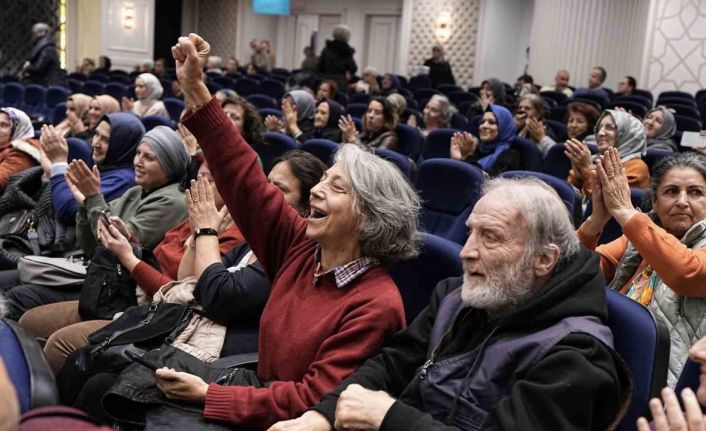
109 288
17 222
13 248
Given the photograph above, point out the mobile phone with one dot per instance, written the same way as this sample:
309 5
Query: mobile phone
694 139
103 217
134 357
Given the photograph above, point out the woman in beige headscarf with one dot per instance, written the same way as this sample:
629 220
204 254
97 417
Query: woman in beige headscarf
74 125
148 91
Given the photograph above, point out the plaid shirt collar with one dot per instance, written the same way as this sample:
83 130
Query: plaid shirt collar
344 274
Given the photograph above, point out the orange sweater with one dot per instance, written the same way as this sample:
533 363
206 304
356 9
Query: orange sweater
636 170
681 268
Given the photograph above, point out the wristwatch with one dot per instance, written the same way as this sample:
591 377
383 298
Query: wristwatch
205 231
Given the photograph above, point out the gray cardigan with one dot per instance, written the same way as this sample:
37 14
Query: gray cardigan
148 216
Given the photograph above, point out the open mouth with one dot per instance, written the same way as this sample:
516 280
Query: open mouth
316 214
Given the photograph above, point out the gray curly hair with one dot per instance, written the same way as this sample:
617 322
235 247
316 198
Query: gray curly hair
387 205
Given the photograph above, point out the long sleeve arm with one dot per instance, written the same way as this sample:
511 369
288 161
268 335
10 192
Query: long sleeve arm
16 161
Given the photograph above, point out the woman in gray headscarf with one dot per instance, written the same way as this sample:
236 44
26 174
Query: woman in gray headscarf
148 91
660 126
298 108
616 129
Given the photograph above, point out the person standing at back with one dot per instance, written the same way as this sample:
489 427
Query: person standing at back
43 64
336 61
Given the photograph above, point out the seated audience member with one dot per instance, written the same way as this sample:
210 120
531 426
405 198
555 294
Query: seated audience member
493 153
615 129
379 124
214 64
234 297
18 148
439 69
581 122
114 144
160 68
245 118
100 106
232 66
399 103
87 66
327 90
515 344
529 121
328 113
252 70
310 60
492 91
336 60
626 86
660 127
525 86
561 83
298 109
224 93
104 64
595 84
669 417
148 91
143 213
390 83
437 114
369 83
147 66
75 124
331 295
660 260
176 90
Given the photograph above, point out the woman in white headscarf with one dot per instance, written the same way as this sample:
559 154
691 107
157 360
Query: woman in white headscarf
148 91
18 148
616 129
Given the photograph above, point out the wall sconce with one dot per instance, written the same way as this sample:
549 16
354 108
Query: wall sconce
128 16
442 32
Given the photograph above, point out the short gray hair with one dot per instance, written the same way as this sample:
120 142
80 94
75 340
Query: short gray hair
342 32
447 109
548 219
387 205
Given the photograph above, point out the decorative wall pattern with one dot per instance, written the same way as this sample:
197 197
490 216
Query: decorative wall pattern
461 46
217 21
577 35
676 58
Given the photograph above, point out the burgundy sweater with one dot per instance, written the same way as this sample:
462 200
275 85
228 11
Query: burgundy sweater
311 336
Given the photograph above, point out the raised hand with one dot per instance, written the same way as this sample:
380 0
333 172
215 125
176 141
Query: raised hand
273 124
348 130
290 116
580 157
79 197
614 186
536 129
201 206
127 103
463 144
190 54
75 123
115 241
86 180
54 145
189 140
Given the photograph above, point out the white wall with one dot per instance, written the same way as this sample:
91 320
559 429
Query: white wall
504 32
127 48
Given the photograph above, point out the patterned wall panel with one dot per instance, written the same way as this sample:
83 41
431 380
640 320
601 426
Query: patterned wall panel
676 59
217 23
461 46
16 21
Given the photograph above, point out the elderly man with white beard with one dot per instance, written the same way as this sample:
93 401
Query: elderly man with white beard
519 342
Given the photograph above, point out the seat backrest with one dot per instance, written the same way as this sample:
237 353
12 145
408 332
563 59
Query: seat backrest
262 101
174 107
530 155
675 94
420 81
403 162
152 121
59 113
437 143
557 96
26 366
449 189
13 94
272 88
637 109
653 156
323 149
642 340
687 124
642 100
416 278
274 146
567 193
357 110
116 90
410 139
644 93
558 128
79 149
264 112
246 86
93 88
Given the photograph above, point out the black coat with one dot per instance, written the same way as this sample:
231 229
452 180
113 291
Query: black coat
335 60
44 66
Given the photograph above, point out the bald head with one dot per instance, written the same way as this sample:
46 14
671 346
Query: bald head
561 80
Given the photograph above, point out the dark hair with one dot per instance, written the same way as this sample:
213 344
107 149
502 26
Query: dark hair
527 79
108 63
192 171
332 85
389 113
604 74
308 170
585 109
252 123
631 81
680 161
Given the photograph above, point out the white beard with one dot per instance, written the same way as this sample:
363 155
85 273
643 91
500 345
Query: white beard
504 289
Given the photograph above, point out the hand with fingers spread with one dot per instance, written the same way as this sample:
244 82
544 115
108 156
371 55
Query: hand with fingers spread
348 131
54 145
273 124
614 186
669 416
580 157
178 385
87 181
190 54
290 117
201 206
79 197
75 123
486 98
595 223
189 140
463 145
536 129
127 103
